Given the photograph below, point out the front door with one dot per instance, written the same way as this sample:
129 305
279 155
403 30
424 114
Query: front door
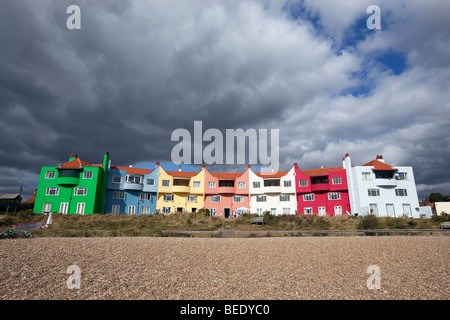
390 210
322 211
227 212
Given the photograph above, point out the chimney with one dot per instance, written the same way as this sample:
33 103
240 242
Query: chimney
130 166
179 168
321 167
73 156
380 158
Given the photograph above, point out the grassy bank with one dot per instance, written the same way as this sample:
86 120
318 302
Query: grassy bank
151 225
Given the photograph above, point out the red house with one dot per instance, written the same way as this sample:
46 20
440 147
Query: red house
322 191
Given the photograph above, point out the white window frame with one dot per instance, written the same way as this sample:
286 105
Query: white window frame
76 191
403 176
48 206
303 183
273 211
408 212
114 179
165 183
150 184
131 210
366 176
287 183
373 209
115 209
145 196
285 197
261 198
308 210
119 195
81 206
50 174
130 178
256 184
336 180
308 197
169 197
213 212
338 210
238 198
401 192
88 174
145 210
334 196
214 198
192 198
241 185
49 190
371 192
286 210
166 210
259 211
197 184
322 211
390 205
64 207
211 184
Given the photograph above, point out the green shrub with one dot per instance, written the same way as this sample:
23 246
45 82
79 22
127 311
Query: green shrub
369 221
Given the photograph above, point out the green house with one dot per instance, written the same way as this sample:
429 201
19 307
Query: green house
75 187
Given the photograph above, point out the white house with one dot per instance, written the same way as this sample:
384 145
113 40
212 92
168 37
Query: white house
442 207
381 189
272 191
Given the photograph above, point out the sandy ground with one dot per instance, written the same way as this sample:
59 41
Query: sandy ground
410 267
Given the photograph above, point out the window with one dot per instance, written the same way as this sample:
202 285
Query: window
302 183
307 210
238 198
191 198
401 193
150 182
366 176
285 197
115 209
211 185
145 210
256 184
52 192
213 212
119 195
259 211
273 211
166 210
116 179
322 211
407 210
166 183
338 211
337 180
214 198
131 210
308 197
63 207
373 209
334 196
287 183
241 185
373 192
261 199
402 176
80 207
168 197
80 191
145 196
286 210
133 179
87 175
47 207
50 175
196 184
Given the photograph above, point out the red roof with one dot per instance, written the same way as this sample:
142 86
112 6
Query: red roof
75 164
378 165
226 175
131 170
321 171
277 174
182 174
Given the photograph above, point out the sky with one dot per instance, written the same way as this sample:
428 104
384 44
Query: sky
138 70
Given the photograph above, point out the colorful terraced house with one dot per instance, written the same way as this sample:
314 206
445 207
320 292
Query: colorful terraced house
180 191
74 187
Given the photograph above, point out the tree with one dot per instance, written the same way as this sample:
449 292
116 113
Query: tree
436 197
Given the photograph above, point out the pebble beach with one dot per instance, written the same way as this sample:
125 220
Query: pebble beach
286 268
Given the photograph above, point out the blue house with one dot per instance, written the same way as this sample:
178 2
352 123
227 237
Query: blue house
131 190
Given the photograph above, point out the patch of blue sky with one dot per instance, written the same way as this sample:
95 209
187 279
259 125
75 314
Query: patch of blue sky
166 165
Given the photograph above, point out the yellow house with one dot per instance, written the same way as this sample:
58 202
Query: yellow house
180 191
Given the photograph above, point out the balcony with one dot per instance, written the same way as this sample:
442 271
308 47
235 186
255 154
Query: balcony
389 183
225 190
68 181
133 186
68 177
320 187
182 189
272 189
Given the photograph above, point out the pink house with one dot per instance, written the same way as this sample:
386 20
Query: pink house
322 191
226 193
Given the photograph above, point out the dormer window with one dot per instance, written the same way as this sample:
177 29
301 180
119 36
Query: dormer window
133 179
